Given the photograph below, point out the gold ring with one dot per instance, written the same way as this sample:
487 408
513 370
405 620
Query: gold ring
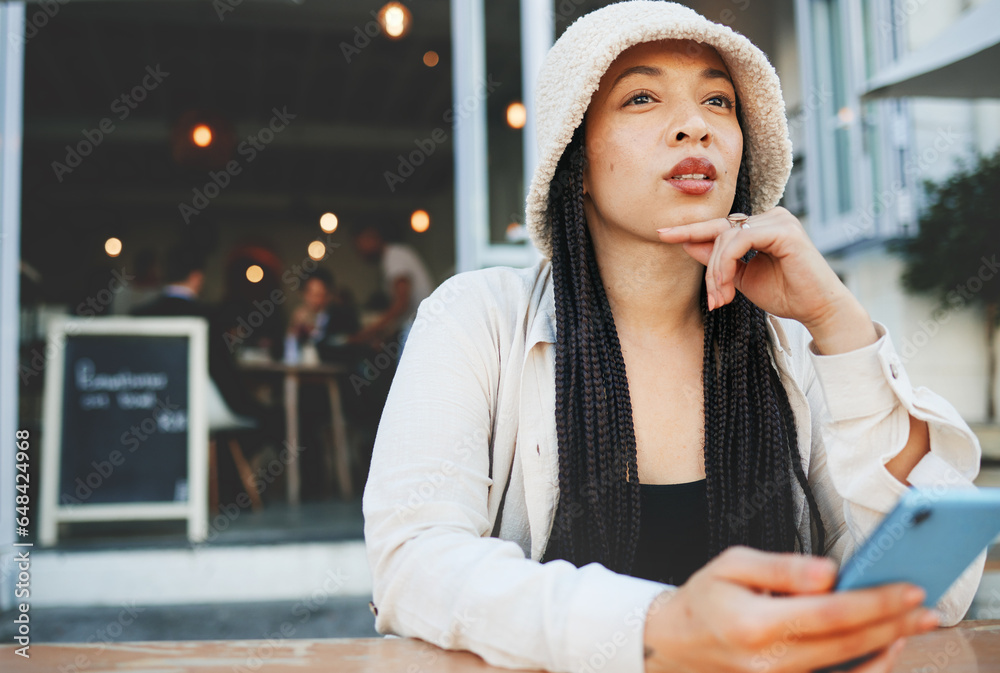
738 219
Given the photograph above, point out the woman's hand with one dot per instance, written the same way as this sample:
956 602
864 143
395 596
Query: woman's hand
726 618
788 277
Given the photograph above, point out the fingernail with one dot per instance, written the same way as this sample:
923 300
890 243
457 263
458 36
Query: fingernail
898 646
664 229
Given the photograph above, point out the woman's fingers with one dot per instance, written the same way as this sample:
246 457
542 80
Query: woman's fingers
695 232
847 647
844 611
727 615
710 242
733 248
699 251
813 623
784 572
791 650
721 247
699 239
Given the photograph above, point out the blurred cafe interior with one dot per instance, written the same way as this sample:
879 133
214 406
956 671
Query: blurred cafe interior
258 141
268 169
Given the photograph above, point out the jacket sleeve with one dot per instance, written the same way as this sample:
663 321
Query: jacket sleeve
861 402
437 574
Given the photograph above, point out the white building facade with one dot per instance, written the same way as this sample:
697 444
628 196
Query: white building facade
874 150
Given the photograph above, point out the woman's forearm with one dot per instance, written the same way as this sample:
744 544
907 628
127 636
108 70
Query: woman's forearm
917 446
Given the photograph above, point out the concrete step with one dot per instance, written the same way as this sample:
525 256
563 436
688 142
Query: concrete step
316 616
202 574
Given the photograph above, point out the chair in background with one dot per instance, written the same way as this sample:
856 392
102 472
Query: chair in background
222 422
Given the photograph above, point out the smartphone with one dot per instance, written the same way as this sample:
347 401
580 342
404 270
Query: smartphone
929 538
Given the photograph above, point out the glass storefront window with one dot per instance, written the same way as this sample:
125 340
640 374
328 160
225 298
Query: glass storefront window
505 130
835 122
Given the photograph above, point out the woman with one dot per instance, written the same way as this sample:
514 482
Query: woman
632 455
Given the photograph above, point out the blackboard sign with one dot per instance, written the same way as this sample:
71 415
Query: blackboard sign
124 429
125 434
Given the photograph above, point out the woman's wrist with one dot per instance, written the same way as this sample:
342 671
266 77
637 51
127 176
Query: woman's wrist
657 650
845 328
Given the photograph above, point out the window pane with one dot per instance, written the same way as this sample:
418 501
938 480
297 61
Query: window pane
504 143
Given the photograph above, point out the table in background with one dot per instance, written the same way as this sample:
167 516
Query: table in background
293 376
969 647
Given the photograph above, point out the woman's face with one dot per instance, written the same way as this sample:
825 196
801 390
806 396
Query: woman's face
660 104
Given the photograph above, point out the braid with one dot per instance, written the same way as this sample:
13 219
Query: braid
751 447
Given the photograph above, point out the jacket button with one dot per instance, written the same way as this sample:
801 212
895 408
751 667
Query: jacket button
894 370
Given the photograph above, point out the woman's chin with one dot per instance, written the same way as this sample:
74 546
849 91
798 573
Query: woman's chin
684 216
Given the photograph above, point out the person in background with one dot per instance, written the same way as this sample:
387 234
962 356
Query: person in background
142 287
326 317
405 280
185 279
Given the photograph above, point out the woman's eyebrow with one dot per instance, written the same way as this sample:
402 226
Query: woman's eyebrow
637 70
653 71
713 73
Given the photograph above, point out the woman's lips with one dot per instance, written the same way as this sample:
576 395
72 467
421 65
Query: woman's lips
693 187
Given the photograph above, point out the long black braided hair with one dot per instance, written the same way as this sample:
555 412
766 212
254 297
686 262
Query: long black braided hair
750 437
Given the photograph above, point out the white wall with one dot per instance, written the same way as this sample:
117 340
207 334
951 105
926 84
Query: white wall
942 350
945 351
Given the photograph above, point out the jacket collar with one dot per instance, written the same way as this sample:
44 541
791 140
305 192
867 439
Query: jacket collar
542 324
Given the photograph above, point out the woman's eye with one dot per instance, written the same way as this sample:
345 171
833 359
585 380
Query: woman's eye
726 100
639 97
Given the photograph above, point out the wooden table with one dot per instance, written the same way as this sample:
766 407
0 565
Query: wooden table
294 375
970 647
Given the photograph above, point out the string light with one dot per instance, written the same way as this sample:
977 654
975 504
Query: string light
420 220
328 222
317 250
517 115
113 246
201 135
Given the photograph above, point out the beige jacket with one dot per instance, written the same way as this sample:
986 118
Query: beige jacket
472 405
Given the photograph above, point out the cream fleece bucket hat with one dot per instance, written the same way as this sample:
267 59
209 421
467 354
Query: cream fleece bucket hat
573 68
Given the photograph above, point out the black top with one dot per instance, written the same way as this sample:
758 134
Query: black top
673 532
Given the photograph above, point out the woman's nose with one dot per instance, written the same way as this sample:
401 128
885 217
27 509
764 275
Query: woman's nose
691 126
